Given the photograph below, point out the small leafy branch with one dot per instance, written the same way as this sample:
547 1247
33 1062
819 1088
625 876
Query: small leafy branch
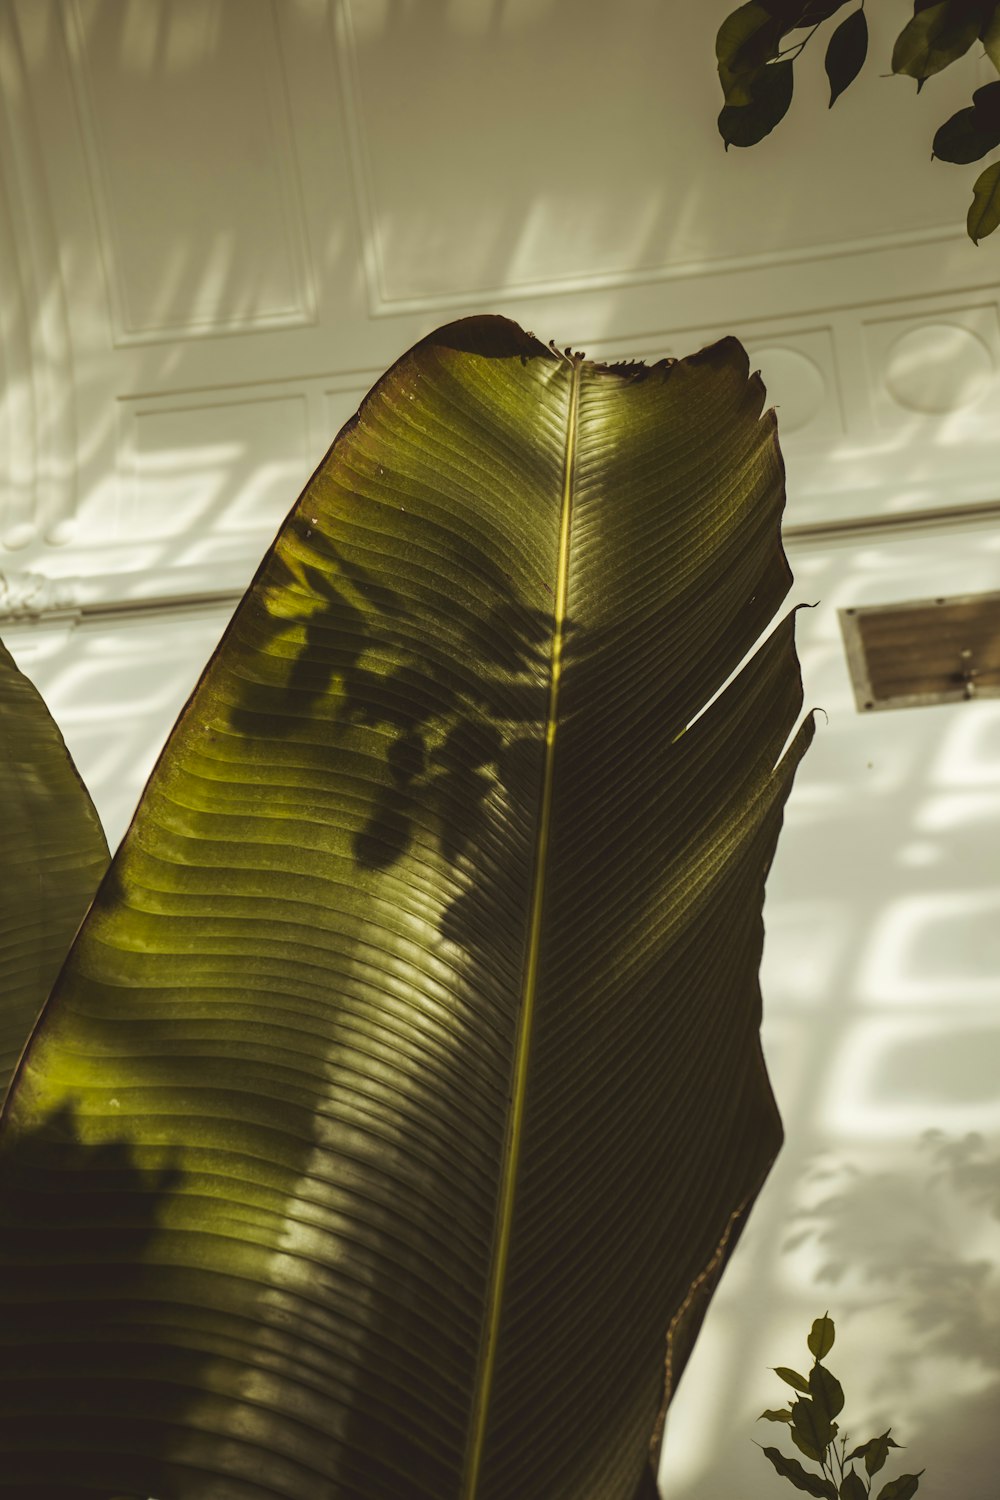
810 1419
758 43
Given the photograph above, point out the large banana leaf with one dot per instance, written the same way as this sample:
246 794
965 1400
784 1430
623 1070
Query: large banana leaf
53 855
402 1095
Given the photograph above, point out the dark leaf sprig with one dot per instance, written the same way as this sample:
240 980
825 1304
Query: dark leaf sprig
812 1425
758 43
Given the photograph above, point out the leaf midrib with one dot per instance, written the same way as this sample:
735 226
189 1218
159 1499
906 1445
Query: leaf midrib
522 1051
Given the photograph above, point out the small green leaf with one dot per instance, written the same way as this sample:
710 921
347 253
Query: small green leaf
770 94
821 1336
933 38
797 1382
970 133
775 1416
964 138
827 1391
900 1489
984 211
742 36
862 1448
846 53
989 35
813 1427
876 1453
852 1487
871 1443
790 1468
804 1446
986 103
746 40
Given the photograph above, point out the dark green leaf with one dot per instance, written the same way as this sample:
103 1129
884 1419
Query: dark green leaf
862 1448
964 137
986 103
775 1416
827 1392
329 1104
852 1487
933 38
770 94
876 1453
790 1468
970 133
900 1489
805 1446
746 40
846 53
821 1337
53 856
811 1425
792 1378
984 211
990 36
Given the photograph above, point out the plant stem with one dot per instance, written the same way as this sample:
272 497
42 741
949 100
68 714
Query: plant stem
797 47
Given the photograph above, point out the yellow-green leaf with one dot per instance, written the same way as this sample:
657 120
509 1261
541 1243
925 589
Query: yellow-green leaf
54 853
903 1488
934 38
984 211
792 1378
990 36
821 1337
402 1095
791 1469
746 40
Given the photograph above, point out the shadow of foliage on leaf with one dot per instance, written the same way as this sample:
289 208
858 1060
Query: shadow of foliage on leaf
79 1214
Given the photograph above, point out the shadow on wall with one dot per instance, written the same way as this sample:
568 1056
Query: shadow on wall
921 1234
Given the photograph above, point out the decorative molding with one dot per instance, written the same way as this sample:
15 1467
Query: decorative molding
359 165
938 368
128 329
898 524
29 596
216 471
934 366
41 384
679 271
803 386
382 303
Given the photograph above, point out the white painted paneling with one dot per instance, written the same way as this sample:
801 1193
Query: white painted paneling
207 195
184 113
619 172
195 469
